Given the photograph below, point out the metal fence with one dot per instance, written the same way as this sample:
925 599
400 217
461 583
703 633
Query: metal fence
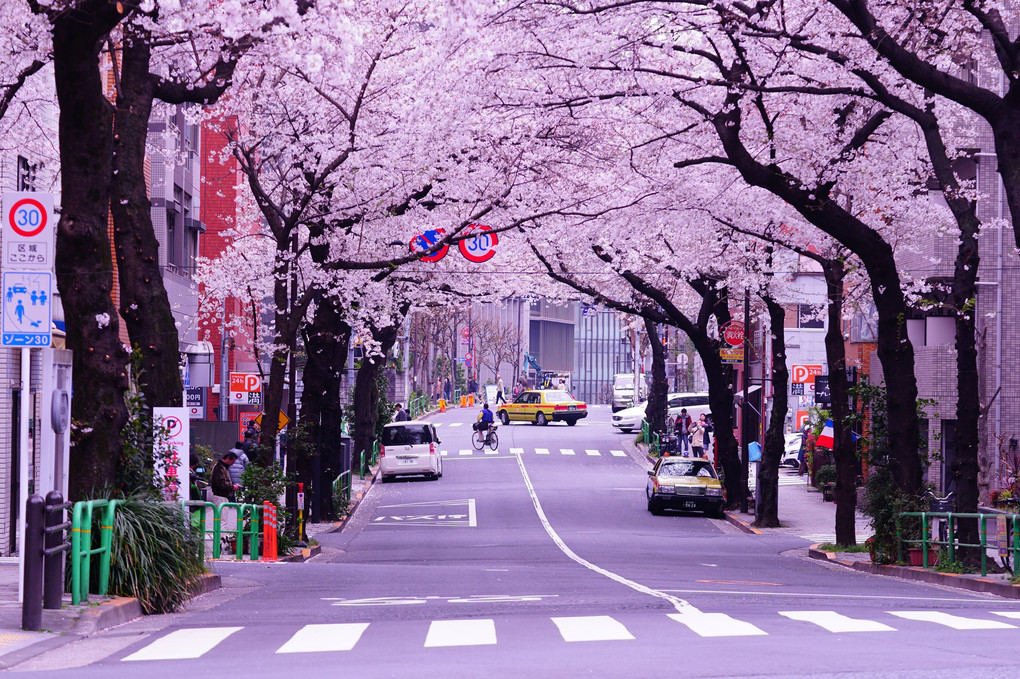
929 544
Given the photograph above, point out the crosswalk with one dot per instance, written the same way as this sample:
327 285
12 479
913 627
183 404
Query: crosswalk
195 642
568 452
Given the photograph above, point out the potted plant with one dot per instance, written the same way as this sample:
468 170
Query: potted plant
827 482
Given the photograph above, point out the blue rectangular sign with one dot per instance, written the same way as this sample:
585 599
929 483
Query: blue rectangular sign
27 309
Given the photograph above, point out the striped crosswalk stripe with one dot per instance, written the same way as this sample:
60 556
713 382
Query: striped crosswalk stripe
588 451
183 643
592 628
517 451
541 451
716 625
324 637
566 451
465 451
835 622
617 453
950 620
461 633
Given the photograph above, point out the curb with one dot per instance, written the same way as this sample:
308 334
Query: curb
108 614
303 554
955 580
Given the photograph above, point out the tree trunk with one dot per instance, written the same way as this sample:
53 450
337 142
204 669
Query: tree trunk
285 327
768 473
84 266
327 339
366 393
844 450
1006 132
144 304
656 411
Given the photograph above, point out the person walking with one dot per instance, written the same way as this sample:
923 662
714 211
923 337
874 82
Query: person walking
225 490
446 389
500 396
239 465
401 415
697 432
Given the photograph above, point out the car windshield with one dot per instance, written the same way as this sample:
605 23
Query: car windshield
406 435
698 468
623 382
557 397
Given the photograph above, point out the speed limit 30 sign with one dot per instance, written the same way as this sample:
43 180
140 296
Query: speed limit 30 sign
480 247
28 228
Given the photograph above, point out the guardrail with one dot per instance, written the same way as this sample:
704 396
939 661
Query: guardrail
927 543
649 438
419 406
82 550
248 518
342 489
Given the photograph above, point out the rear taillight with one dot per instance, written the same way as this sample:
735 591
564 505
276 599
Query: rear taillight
582 406
561 407
382 451
432 449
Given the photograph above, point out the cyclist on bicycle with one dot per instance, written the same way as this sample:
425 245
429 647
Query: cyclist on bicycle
485 419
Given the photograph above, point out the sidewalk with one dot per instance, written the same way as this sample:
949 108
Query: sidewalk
803 513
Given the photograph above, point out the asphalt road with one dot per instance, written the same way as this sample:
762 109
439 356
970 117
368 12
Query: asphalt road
531 561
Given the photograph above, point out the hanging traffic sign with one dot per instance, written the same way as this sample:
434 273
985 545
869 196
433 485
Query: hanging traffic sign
27 309
424 241
28 231
481 247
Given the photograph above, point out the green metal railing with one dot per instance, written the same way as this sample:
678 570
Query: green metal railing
418 406
369 460
248 521
649 437
927 543
82 550
342 489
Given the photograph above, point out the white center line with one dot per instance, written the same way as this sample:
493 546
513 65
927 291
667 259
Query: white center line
677 603
461 633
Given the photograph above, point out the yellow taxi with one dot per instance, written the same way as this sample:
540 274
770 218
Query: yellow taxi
687 483
542 406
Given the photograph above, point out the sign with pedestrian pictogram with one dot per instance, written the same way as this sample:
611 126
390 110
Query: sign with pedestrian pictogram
27 309
481 246
28 228
733 333
245 389
423 241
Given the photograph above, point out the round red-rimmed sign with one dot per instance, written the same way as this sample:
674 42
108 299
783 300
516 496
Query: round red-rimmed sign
27 217
733 333
480 247
424 241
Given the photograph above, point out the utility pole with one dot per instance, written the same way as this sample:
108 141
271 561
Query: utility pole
745 421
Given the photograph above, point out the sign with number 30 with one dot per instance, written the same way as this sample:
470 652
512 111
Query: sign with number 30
480 247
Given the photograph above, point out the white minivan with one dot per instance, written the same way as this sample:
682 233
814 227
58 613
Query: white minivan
410 447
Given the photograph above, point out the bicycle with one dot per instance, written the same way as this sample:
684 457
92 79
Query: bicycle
489 438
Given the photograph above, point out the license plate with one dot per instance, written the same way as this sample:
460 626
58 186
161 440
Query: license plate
689 504
571 407
408 461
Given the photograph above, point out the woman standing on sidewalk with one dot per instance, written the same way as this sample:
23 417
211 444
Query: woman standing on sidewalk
697 432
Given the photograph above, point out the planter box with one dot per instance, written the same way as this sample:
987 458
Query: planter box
916 556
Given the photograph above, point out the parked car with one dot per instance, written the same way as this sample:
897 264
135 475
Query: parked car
629 419
791 451
687 484
410 447
542 406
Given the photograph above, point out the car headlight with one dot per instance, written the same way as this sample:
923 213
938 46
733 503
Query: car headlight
666 489
717 492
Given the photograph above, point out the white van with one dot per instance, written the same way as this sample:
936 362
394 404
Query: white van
410 447
623 391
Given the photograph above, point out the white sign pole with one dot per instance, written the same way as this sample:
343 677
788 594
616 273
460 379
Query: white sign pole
25 412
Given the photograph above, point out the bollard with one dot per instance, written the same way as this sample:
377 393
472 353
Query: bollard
471 400
463 401
54 546
442 405
269 552
31 605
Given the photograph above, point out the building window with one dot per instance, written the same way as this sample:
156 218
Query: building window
810 316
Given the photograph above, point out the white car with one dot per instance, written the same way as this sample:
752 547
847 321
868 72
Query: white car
791 451
630 419
410 447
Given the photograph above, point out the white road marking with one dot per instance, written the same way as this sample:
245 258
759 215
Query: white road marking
517 451
466 452
678 603
716 625
1010 614
950 620
836 622
813 595
325 637
456 424
443 452
617 453
461 633
492 452
591 628
566 451
541 451
183 643
591 452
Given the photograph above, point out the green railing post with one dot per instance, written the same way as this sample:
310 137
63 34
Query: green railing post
1016 542
899 540
984 544
106 545
952 536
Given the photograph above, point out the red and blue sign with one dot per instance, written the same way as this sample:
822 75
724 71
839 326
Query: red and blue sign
423 242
